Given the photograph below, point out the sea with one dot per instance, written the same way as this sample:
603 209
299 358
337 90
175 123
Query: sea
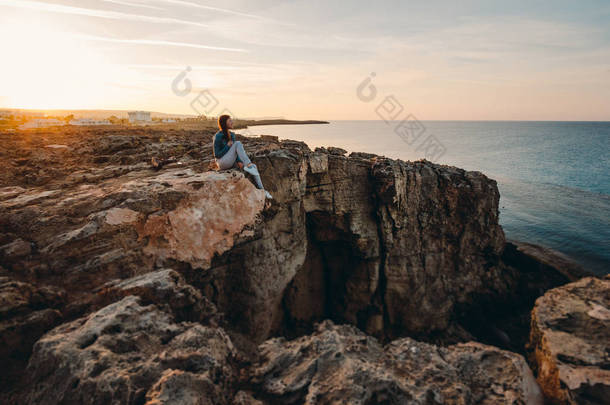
553 177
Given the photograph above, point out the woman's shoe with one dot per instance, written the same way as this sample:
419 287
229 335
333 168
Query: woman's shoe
267 195
251 169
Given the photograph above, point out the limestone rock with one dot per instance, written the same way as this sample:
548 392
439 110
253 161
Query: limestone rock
393 247
245 398
124 226
389 239
530 257
215 208
26 313
17 248
396 239
178 387
339 364
128 353
396 248
164 288
570 337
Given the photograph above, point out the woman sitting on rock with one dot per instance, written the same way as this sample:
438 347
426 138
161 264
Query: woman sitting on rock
230 153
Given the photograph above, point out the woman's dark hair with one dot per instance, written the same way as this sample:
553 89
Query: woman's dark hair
222 125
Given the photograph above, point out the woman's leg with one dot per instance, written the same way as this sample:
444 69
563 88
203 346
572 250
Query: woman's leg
259 183
244 158
241 152
228 159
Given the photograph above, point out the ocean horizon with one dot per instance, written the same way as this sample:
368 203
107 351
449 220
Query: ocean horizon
552 175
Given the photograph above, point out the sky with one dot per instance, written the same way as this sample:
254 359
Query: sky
310 59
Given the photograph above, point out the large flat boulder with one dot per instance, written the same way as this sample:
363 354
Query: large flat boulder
216 207
133 223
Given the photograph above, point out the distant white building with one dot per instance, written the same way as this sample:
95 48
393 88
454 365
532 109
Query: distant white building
168 120
42 123
89 121
139 116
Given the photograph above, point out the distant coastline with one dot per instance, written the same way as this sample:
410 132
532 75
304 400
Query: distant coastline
13 119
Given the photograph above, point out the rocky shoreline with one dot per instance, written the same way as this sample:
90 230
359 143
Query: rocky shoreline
366 280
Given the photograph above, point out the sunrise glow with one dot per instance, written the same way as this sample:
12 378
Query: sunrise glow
462 62
49 68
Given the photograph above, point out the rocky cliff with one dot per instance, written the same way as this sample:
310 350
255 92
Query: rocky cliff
126 282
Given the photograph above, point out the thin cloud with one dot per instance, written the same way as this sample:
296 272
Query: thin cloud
113 15
233 62
222 10
127 3
181 67
160 43
201 6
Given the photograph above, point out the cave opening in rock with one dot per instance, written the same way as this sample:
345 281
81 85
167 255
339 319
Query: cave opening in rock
335 282
338 282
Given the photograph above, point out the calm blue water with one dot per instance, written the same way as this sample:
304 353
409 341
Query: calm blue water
553 176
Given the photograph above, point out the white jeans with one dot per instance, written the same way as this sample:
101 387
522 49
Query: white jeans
228 160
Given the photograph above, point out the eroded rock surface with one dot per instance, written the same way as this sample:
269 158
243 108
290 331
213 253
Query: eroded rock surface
165 288
340 364
570 338
365 240
126 226
390 246
26 313
396 248
213 210
130 354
